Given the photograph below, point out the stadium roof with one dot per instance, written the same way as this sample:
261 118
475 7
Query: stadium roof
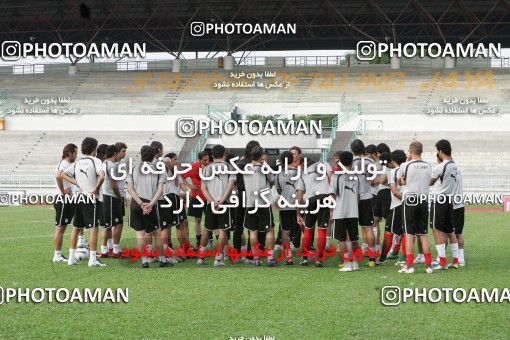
325 24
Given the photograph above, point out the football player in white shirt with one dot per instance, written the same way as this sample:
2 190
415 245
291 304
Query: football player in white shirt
121 184
64 212
441 210
87 173
365 207
112 202
175 192
414 177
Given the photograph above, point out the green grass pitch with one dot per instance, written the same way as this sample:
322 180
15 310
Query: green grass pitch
186 302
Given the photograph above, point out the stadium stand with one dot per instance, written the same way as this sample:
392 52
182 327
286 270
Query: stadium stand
39 151
366 90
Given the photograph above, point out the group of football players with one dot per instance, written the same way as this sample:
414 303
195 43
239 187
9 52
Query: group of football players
396 194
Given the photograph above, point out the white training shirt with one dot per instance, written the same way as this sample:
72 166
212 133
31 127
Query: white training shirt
86 171
417 174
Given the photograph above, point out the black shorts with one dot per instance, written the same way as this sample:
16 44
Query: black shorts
441 217
321 217
365 213
123 206
346 227
382 203
239 212
100 213
458 220
140 222
218 221
288 219
195 211
112 211
167 216
394 221
261 220
415 218
64 212
86 215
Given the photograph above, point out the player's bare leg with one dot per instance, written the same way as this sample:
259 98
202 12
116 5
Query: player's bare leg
142 247
460 241
440 239
148 240
369 238
198 230
420 258
162 249
58 238
116 235
222 241
345 257
72 246
183 237
409 248
377 232
93 262
106 235
425 244
270 241
255 246
82 242
454 248
201 248
286 247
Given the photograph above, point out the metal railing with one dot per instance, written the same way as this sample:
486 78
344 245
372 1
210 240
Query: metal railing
389 108
315 61
212 63
198 148
215 114
358 132
250 61
178 146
